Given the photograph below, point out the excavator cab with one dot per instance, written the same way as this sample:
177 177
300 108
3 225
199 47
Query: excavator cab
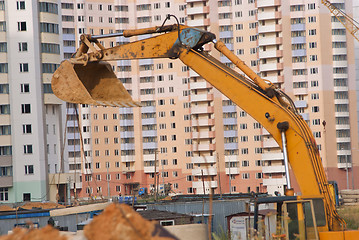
297 219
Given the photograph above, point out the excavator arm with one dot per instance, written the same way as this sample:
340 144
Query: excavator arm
77 81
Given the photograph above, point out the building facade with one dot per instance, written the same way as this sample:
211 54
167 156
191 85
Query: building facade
189 133
31 116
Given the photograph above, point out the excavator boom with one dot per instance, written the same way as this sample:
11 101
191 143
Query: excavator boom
259 98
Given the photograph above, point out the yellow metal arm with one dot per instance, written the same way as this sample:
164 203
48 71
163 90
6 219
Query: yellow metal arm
259 98
349 23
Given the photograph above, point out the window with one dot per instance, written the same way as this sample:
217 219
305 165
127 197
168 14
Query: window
48 7
189 178
2 26
4 194
49 27
25 108
24 67
28 149
245 175
49 67
20 5
29 169
25 88
22 46
26 128
315 109
189 165
174 161
21 26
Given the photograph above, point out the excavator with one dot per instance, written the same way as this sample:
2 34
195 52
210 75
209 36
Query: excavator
88 78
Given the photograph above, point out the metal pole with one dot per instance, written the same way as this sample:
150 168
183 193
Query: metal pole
108 182
285 156
347 170
229 171
155 176
219 177
163 178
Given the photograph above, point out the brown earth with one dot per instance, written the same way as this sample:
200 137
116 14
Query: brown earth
44 233
122 222
47 205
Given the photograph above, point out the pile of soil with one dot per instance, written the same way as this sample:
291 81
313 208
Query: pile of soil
44 233
47 205
5 208
122 222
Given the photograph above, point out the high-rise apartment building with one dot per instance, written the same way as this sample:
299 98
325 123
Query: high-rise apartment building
186 130
30 115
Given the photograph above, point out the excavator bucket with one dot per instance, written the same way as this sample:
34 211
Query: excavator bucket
94 84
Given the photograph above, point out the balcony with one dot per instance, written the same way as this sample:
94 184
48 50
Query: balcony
274 181
127 146
232 171
204 147
201 97
197 10
192 73
297 27
344 165
203 134
231 158
270 143
149 145
51 99
300 91
202 122
270 67
341 101
343 140
207 184
198 22
127 134
210 171
298 40
273 169
126 122
149 133
200 85
150 169
229 121
342 114
203 159
6 181
202 110
149 157
299 53
268 3
128 169
231 146
272 156
342 127
230 133
269 28
149 121
148 109
130 158
230 108
269 15
270 54
269 41
301 104
275 79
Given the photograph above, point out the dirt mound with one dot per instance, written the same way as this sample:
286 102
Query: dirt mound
45 233
121 222
6 208
47 205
